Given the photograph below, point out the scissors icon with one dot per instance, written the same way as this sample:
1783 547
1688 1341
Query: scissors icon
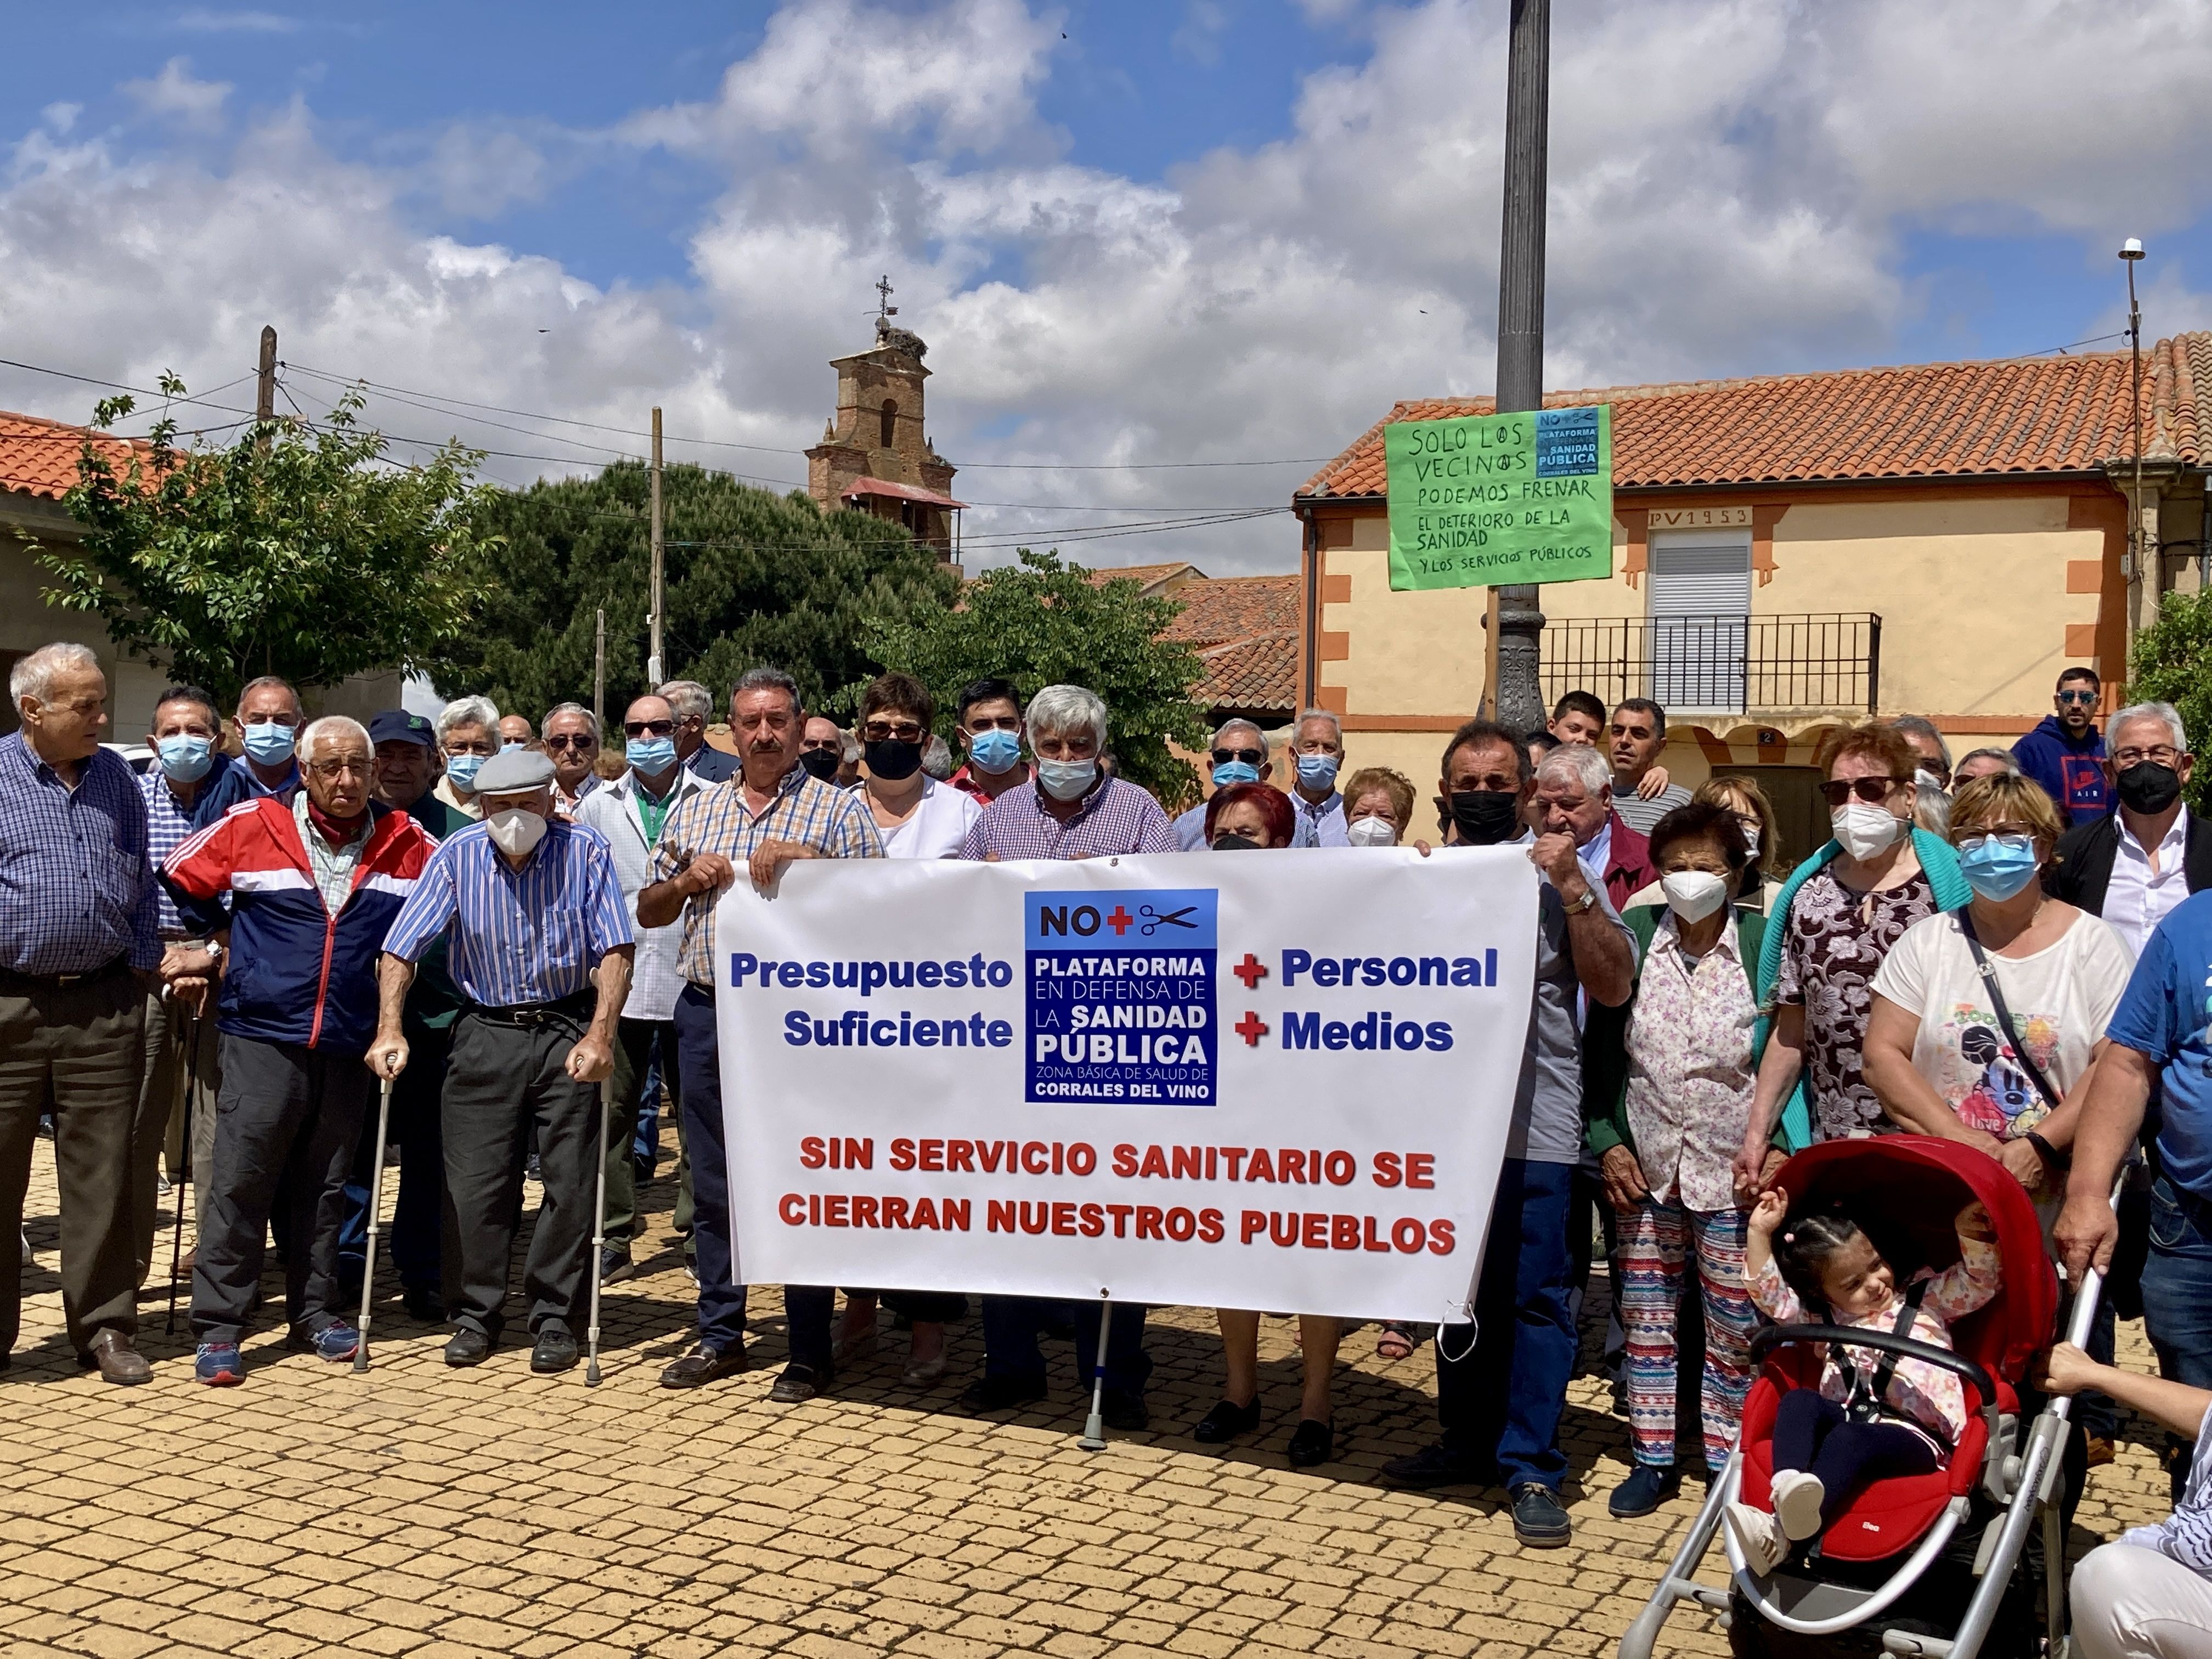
1170 919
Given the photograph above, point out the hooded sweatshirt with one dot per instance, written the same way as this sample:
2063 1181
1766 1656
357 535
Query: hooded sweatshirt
2071 771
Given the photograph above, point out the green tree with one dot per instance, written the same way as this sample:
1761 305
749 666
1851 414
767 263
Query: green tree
1045 622
2174 664
751 577
291 552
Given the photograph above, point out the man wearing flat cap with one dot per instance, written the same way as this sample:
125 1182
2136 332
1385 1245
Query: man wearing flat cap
532 911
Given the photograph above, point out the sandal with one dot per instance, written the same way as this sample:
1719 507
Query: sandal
1396 1342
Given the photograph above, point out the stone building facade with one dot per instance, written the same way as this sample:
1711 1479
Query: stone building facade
875 453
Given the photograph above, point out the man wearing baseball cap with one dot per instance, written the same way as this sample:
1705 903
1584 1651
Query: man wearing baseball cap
532 910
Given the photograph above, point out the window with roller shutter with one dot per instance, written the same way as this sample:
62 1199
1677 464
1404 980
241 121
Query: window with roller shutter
1699 584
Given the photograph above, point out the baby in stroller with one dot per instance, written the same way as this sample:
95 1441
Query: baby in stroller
1873 1416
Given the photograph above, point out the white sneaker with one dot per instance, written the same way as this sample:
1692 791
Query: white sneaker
1757 1538
1797 1499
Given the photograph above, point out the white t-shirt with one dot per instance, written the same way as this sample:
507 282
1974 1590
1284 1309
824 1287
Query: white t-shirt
2061 999
937 827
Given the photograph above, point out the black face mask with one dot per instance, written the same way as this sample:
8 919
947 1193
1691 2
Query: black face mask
1230 842
890 759
1486 816
820 763
2149 788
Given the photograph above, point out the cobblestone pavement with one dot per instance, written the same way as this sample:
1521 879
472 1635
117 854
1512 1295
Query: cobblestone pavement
431 1512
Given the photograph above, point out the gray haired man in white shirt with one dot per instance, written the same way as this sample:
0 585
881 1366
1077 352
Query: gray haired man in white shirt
2134 867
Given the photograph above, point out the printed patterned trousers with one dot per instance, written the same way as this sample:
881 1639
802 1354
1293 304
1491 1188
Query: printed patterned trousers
1656 1240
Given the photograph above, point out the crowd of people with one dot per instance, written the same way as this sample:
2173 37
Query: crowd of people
496 920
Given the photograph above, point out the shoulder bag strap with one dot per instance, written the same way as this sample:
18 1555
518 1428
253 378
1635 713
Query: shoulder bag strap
1988 971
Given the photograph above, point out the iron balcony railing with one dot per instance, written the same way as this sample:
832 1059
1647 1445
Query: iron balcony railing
1767 665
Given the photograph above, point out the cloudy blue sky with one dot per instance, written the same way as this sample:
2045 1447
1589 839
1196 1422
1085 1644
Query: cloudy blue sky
1133 232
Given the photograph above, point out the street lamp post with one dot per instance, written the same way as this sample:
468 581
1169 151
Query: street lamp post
2131 253
1519 695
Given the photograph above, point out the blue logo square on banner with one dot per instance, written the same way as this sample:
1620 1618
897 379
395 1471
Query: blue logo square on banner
1120 996
1566 442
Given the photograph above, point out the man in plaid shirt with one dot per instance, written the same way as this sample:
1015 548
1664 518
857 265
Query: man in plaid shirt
1069 809
772 811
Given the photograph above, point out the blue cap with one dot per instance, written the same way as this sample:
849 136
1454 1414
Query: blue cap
398 726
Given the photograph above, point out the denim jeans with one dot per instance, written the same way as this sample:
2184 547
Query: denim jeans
2177 1295
1521 1334
721 1298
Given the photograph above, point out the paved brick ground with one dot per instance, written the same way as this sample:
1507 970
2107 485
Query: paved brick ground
430 1512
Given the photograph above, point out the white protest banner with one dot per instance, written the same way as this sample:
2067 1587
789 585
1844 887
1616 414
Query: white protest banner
1280 1082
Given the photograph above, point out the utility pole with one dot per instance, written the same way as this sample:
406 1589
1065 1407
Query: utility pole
599 672
2131 253
264 389
652 663
1515 621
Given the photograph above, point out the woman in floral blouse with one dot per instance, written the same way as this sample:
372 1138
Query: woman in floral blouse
1669 1084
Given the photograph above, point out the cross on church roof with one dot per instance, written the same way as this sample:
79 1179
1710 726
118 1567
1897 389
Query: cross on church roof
884 305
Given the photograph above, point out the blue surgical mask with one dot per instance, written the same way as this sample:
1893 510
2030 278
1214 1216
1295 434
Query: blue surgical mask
651 756
994 751
1999 867
1230 772
269 741
510 745
463 769
1066 779
185 758
1317 771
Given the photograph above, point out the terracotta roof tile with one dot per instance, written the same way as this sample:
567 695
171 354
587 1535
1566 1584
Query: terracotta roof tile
1144 575
2014 415
1257 673
39 457
1235 607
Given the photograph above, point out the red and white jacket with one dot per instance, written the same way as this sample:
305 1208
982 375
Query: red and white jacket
296 973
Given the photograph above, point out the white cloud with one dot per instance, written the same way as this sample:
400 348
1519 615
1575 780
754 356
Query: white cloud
204 20
1731 182
174 96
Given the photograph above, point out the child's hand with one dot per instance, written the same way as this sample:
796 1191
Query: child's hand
1766 1215
1974 1222
2065 1370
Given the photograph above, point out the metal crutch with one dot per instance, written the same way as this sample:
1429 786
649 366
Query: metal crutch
600 1235
376 1207
184 1175
1094 1426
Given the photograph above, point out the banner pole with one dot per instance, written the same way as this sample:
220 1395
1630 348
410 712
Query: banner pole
1094 1426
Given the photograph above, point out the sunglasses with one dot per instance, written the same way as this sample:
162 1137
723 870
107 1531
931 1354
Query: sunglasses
1250 756
2078 697
884 731
648 728
578 741
1874 791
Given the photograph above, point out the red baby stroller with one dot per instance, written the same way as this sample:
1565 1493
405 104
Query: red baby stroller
1934 1565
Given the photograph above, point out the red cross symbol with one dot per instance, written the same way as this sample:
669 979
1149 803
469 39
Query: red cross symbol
1120 921
1251 1028
1251 970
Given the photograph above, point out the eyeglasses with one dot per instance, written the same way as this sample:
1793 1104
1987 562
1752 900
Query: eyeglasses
2158 754
1872 790
1250 756
648 728
580 740
2078 698
888 732
340 768
2013 840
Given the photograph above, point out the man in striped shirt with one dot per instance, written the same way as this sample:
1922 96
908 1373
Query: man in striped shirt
536 914
772 811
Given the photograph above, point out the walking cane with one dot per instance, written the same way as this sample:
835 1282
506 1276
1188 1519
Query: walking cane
599 1236
376 1207
1094 1426
184 1181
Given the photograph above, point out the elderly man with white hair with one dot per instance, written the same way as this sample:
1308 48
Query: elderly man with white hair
694 706
1574 796
2133 867
314 884
468 736
541 948
79 913
1068 810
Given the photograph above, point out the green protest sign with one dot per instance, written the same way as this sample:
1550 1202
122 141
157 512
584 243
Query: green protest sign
1485 500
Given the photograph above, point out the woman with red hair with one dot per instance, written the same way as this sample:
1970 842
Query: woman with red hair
1245 815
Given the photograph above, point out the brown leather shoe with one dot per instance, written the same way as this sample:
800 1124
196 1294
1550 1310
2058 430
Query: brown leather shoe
119 1361
703 1365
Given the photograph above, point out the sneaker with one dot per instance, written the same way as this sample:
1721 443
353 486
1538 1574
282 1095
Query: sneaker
1438 1466
1539 1521
1757 1538
1647 1487
997 1393
1797 1497
615 1265
218 1365
335 1341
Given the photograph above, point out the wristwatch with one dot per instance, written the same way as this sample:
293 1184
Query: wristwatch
1588 901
